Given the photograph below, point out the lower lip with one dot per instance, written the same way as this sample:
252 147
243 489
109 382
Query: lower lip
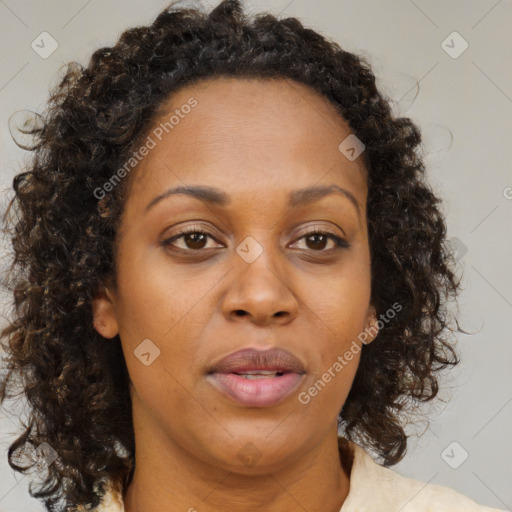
263 392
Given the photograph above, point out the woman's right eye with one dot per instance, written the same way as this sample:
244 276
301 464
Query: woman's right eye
192 239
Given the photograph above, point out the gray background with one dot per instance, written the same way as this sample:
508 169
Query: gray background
463 105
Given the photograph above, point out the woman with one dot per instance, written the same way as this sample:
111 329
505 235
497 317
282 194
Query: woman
229 269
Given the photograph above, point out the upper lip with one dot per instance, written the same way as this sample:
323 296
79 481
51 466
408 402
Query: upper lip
248 359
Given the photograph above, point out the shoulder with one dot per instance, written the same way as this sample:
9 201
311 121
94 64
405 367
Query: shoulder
374 487
111 500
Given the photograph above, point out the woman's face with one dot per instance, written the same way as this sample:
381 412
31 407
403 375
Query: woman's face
255 279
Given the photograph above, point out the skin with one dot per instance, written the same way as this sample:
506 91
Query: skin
256 141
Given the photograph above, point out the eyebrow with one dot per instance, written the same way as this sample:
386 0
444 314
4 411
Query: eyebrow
299 197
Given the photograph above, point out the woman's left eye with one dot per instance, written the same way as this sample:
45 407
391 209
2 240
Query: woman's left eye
319 239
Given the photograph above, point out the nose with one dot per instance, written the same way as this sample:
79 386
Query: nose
259 293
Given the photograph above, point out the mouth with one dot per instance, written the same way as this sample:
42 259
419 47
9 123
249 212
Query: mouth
259 374
256 378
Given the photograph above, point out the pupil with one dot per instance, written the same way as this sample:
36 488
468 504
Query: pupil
194 237
316 237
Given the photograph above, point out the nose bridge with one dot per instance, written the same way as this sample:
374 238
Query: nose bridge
259 260
259 288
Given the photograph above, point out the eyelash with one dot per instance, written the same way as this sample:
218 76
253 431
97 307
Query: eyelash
340 243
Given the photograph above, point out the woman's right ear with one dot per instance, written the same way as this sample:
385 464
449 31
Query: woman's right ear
103 313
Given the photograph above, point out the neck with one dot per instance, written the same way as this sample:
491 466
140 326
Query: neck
168 477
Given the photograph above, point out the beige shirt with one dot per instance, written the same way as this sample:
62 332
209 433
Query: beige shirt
374 488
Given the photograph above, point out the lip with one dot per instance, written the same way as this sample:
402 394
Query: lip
257 392
248 359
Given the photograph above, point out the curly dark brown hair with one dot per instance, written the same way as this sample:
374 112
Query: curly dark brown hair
63 239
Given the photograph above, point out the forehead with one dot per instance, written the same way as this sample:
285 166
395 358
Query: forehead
245 135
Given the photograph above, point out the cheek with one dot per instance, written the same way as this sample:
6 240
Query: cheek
326 391
340 304
156 299
158 394
340 314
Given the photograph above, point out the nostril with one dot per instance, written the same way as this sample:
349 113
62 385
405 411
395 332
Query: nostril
240 312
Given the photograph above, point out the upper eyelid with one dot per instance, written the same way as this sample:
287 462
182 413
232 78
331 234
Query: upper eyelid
201 229
311 228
